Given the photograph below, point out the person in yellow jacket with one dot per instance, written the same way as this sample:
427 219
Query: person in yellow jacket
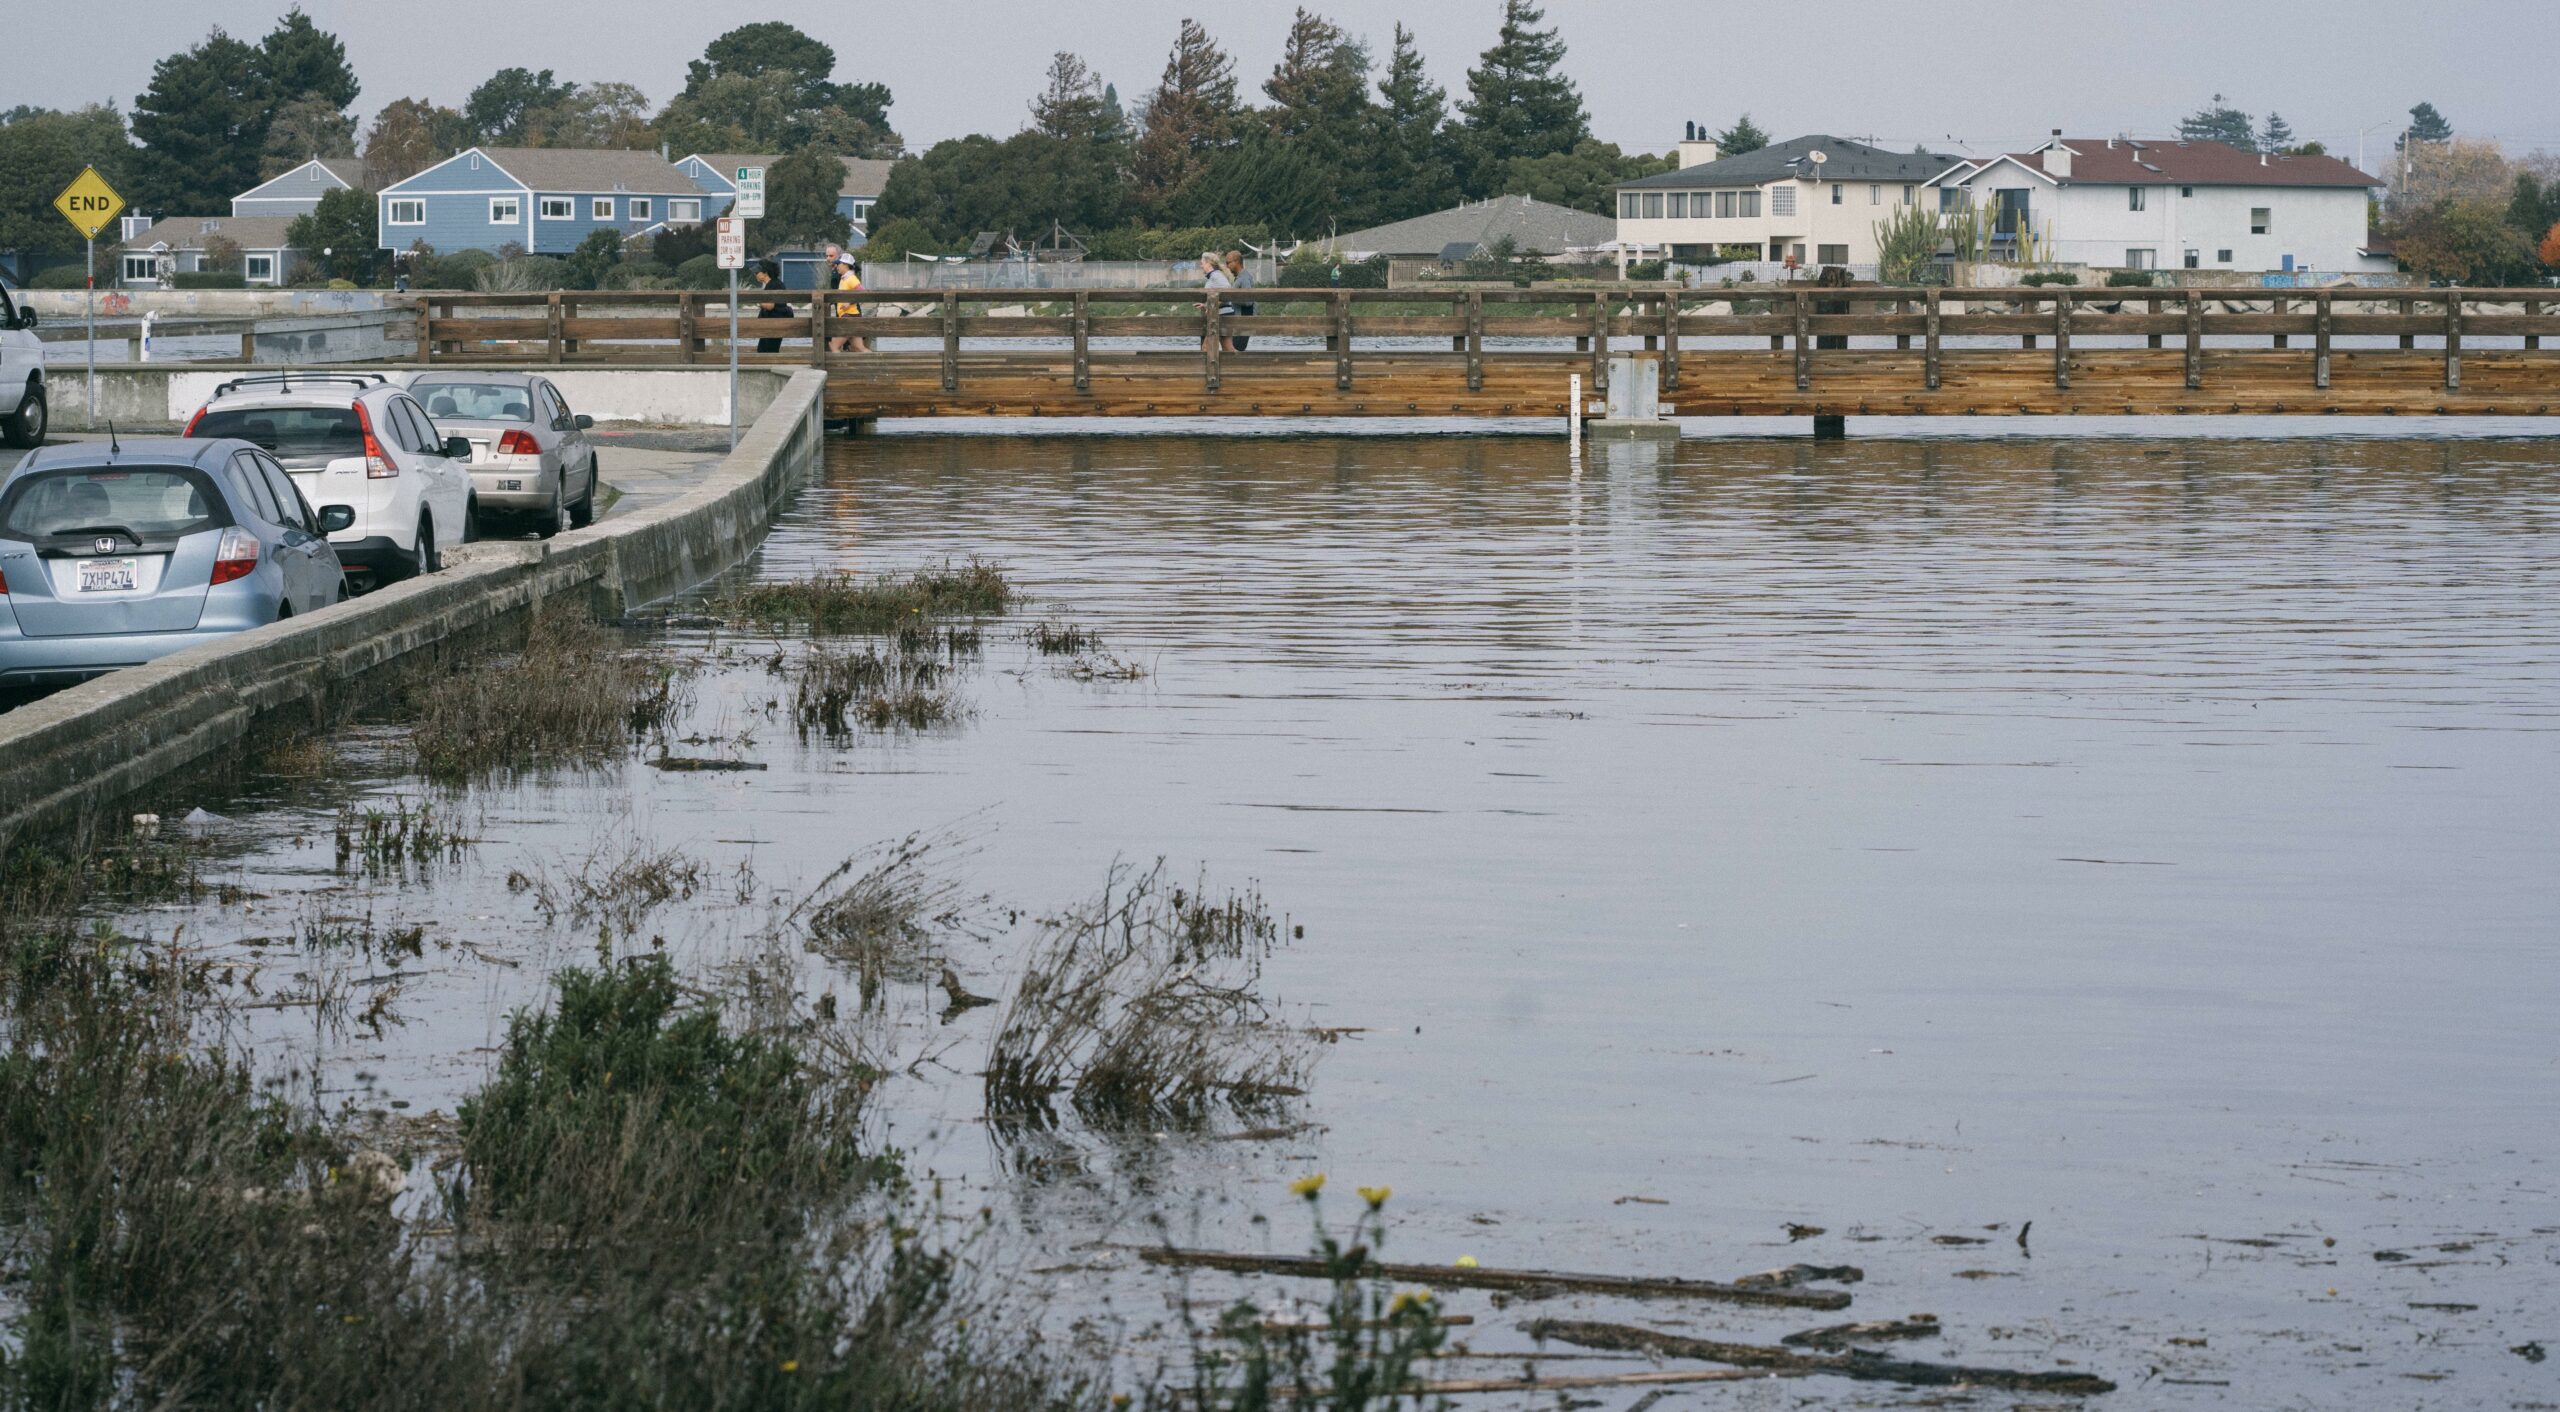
848 277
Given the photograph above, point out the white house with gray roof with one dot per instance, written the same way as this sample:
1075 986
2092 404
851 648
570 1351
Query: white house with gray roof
1534 227
190 244
541 200
1814 199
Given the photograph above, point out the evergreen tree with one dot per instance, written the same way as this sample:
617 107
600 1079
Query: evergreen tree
2427 125
1263 181
768 87
1320 108
2220 123
1518 104
503 110
1021 184
1744 136
304 129
800 200
1190 116
344 225
40 152
299 61
1074 105
2276 135
203 124
1416 166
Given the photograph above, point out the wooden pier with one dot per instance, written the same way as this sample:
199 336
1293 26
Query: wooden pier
1792 350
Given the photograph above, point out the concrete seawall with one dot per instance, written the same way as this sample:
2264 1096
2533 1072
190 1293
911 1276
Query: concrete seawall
151 396
65 758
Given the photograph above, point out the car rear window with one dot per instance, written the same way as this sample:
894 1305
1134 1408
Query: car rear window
476 401
287 431
152 502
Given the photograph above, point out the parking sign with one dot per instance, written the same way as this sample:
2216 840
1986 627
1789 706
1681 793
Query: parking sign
750 193
733 243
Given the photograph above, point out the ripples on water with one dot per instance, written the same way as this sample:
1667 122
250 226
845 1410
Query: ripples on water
2150 839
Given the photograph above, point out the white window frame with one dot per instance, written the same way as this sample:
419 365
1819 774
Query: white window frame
2141 259
1782 200
506 210
1751 205
2262 219
251 274
685 210
2135 199
150 264
640 208
1910 193
1629 203
1837 188
600 208
416 205
1875 193
861 212
568 207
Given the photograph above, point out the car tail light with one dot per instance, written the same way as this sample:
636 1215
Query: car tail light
4 583
376 465
235 556
519 443
191 421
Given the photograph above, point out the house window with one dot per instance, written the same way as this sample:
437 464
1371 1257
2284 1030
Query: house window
640 208
505 211
1836 189
1910 193
600 208
141 267
1629 203
862 210
1950 197
2141 259
2194 259
1833 254
2222 257
2186 191
406 211
558 208
684 212
2134 197
1679 205
1727 202
2258 220
1795 252
262 269
1750 204
1653 205
1875 193
1782 200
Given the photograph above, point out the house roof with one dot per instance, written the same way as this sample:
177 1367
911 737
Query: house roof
349 170
191 232
1536 227
2120 161
576 170
863 176
1843 160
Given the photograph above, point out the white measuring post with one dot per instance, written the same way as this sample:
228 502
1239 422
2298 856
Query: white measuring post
1573 416
733 257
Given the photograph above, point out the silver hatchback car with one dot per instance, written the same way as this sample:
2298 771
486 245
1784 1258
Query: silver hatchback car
531 462
113 555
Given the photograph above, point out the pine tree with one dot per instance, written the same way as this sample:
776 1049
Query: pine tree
1320 108
1189 117
2276 135
1518 104
2427 125
1074 104
1417 170
1744 136
202 124
2220 123
299 60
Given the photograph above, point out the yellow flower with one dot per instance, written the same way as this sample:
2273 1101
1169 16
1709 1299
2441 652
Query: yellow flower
1376 1196
1308 1185
1409 1299
1466 1262
791 1365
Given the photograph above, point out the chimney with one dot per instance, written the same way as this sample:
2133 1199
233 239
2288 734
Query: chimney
1697 149
2057 158
2262 159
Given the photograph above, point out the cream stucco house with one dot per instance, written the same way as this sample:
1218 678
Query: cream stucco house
1814 200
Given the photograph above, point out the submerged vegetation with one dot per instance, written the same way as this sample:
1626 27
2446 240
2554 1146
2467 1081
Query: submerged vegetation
876 686
881 921
574 695
843 603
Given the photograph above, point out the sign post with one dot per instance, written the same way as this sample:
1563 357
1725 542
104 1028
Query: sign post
733 258
750 202
89 204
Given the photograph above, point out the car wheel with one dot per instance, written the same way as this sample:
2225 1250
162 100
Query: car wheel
548 523
428 560
26 427
342 590
583 513
471 519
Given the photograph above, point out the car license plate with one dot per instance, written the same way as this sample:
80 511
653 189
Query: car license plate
511 485
106 575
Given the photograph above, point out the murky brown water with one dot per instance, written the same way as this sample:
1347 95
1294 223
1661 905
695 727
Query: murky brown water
2148 839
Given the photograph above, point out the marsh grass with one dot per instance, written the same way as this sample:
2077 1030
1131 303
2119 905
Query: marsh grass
396 840
1144 1004
575 694
614 889
879 912
844 603
1057 637
881 687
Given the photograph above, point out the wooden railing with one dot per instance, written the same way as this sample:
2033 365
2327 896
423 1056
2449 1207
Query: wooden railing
965 338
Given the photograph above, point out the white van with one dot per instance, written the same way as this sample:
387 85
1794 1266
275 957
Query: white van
23 412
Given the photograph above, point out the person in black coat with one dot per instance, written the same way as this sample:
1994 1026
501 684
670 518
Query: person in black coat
768 278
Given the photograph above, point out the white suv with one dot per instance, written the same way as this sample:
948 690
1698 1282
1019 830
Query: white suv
23 413
353 439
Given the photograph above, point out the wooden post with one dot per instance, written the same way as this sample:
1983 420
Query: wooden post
2453 341
2026 340
1213 333
2195 339
551 327
1341 341
2284 306
821 314
1804 341
2320 344
2154 310
1671 341
1084 341
2408 310
2062 342
1902 341
249 343
1929 357
1600 343
687 314
1474 341
950 341
568 311
2533 310
1458 309
426 329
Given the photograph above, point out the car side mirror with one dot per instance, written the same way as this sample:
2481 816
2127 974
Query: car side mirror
26 318
334 518
457 448
583 420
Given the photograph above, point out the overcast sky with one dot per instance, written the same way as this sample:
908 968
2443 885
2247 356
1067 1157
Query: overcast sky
1955 74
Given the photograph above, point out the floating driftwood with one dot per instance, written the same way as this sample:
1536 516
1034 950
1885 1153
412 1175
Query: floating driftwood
1869 1367
1660 1378
1744 1291
692 763
1873 1330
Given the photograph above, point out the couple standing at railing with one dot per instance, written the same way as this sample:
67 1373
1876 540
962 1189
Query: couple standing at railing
1230 275
841 273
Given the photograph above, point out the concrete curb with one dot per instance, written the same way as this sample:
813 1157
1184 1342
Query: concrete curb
66 756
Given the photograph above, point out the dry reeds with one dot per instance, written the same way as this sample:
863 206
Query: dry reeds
571 696
1143 1003
879 687
881 921
843 603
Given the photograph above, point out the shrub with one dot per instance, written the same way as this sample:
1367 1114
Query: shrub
519 274
2129 279
2046 277
60 277
1312 268
896 239
459 270
207 279
701 272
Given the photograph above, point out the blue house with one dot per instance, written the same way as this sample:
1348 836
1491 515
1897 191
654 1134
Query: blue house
541 200
715 175
298 192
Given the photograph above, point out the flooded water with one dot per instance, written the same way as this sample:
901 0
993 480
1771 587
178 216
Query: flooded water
1913 838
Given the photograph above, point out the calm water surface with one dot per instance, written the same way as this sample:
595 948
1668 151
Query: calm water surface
2149 839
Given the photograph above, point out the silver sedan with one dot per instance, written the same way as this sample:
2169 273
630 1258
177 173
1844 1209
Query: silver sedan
530 458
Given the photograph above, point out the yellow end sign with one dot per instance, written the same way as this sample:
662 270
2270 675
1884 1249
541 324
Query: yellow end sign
89 203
